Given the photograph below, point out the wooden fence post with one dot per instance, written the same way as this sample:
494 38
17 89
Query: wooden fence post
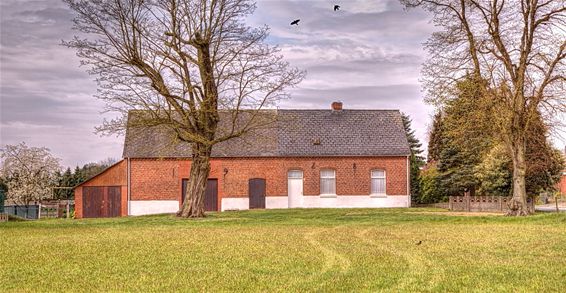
467 200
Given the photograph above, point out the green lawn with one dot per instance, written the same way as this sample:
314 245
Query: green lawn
288 250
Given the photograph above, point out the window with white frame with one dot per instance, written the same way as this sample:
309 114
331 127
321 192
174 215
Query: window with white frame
295 174
327 181
378 182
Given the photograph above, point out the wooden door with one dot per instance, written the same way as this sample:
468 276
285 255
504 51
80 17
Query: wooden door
184 185
102 201
211 196
256 192
93 201
113 204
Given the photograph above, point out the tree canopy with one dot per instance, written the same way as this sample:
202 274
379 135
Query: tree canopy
515 52
28 172
182 63
416 159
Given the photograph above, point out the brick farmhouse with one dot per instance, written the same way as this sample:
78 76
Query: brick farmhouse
311 158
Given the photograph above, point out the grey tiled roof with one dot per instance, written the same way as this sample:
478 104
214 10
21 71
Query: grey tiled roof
297 133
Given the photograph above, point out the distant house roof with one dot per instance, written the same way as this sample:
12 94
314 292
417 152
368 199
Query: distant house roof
296 133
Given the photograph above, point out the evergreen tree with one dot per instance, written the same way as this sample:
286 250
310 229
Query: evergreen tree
68 181
431 192
416 159
435 138
469 152
467 136
78 175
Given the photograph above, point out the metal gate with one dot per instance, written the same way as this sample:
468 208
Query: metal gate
101 201
256 192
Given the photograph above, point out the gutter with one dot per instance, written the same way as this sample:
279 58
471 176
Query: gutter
129 179
408 181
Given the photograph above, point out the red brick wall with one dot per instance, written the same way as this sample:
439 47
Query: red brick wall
155 179
113 176
562 184
160 179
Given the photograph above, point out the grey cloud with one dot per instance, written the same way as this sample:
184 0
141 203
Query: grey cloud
379 97
48 100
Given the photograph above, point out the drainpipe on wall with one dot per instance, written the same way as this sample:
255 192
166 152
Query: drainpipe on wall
129 171
409 181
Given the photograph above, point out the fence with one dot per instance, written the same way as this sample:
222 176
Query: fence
47 209
23 211
2 199
483 203
57 209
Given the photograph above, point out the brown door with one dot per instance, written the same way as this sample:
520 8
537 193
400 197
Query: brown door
114 203
93 201
211 195
257 193
185 183
101 201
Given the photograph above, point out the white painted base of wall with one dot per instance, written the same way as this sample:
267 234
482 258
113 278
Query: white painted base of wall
235 203
356 201
276 202
340 201
150 207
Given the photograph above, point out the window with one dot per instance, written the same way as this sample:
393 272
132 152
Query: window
378 182
327 181
295 174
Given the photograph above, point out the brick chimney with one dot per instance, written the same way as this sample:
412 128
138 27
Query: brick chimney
336 106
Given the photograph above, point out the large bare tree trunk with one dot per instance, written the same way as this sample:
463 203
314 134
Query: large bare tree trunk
518 204
180 62
193 207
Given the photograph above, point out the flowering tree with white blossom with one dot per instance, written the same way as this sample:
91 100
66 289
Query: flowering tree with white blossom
29 172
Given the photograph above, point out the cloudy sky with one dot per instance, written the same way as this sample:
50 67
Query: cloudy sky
368 55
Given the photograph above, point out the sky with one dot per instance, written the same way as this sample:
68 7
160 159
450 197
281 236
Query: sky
367 55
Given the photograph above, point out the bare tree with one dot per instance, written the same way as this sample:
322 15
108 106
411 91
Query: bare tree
29 172
515 51
184 63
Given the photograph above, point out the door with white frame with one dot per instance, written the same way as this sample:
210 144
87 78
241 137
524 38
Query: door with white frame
295 188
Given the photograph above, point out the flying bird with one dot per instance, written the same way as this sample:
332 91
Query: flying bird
295 22
336 7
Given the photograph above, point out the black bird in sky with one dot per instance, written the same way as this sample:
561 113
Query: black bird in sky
336 7
295 22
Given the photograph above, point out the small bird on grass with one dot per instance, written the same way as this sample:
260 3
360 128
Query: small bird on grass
336 7
295 22
419 243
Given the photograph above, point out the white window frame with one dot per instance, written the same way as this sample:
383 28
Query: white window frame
322 194
289 172
372 177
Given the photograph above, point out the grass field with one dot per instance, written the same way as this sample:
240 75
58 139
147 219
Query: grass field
288 250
